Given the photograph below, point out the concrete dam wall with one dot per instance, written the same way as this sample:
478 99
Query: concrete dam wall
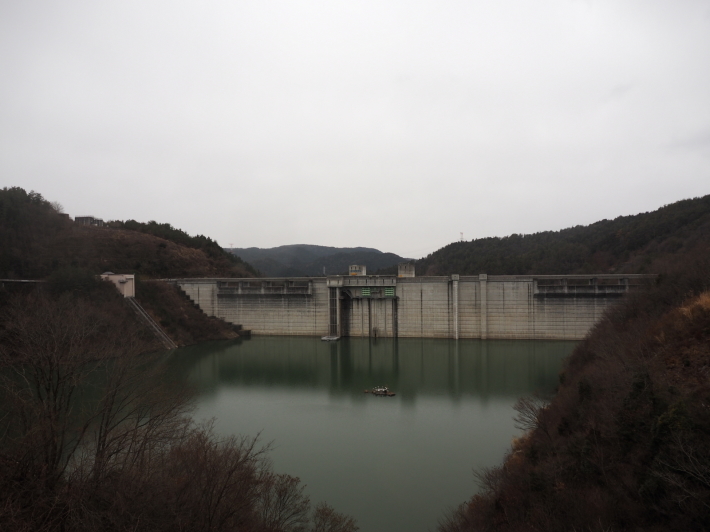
482 306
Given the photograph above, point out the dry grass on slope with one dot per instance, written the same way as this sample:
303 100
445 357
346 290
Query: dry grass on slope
125 251
682 346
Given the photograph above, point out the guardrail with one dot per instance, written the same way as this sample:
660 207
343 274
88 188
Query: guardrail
157 330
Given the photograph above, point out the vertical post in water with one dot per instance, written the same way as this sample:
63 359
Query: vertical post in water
332 312
338 316
483 287
395 318
455 300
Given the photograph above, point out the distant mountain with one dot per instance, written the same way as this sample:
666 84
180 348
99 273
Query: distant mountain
304 260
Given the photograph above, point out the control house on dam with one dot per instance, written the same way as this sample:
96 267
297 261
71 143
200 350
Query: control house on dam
549 307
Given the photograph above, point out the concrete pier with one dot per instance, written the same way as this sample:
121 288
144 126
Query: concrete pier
480 306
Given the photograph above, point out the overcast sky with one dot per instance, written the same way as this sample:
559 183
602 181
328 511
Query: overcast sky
387 124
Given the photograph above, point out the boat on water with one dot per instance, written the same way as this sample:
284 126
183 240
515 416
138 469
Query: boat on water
381 391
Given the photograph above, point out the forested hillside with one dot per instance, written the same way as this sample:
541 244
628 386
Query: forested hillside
36 239
627 244
625 442
38 242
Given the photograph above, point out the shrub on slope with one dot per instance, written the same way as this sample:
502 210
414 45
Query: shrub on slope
625 443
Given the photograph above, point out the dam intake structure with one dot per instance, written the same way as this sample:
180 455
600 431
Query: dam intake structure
551 307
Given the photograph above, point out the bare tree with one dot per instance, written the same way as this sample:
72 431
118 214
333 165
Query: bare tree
456 520
284 505
50 354
80 404
686 467
326 519
489 479
91 437
530 411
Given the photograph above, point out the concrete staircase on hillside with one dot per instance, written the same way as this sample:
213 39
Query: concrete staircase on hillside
150 322
241 331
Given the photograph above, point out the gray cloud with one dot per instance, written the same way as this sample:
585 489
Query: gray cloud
388 124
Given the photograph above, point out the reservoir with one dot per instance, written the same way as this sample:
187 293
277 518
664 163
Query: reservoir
397 463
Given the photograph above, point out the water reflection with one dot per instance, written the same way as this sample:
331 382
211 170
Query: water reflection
411 367
394 464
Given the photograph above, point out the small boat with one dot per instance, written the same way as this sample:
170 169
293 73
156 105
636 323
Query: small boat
381 391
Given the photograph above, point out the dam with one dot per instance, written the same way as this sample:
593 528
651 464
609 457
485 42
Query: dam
545 307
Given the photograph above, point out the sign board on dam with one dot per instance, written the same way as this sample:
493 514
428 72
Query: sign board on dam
478 306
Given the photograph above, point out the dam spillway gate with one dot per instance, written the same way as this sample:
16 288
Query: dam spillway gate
477 306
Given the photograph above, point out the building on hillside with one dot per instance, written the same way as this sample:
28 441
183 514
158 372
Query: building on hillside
125 283
358 270
89 220
405 269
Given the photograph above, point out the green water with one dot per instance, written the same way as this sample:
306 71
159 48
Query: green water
396 463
